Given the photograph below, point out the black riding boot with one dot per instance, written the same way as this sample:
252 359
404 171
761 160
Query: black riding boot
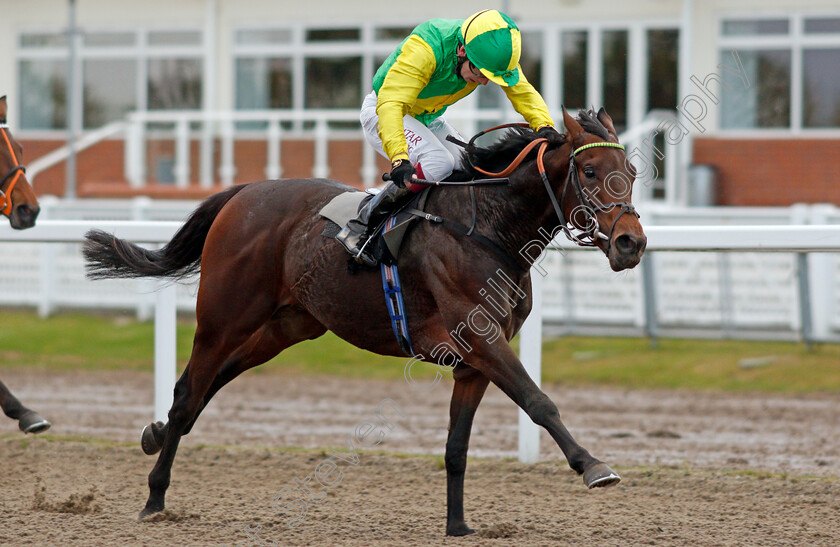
358 230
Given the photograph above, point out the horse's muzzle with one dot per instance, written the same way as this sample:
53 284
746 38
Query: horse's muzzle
626 251
23 216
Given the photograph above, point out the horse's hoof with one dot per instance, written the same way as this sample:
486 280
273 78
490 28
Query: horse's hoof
32 422
148 511
148 441
460 529
600 476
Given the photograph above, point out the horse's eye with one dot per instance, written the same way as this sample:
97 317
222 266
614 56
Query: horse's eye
589 172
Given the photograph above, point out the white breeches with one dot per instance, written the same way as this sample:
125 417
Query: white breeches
427 146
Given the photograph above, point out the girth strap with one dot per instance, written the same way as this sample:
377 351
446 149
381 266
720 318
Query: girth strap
468 232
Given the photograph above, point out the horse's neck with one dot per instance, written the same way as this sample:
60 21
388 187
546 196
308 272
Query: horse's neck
520 216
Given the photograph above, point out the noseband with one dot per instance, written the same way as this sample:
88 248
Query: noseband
585 237
14 174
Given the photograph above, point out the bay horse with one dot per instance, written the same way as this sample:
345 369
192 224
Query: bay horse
269 279
19 203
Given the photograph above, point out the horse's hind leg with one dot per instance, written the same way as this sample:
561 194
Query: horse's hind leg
470 386
288 328
29 421
210 352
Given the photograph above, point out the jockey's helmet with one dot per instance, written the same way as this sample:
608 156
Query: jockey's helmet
493 44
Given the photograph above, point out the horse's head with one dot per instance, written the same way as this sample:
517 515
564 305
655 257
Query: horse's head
596 195
17 198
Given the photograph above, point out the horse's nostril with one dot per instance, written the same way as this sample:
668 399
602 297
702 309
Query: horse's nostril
27 214
627 244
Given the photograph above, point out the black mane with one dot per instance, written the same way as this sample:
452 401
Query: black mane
500 154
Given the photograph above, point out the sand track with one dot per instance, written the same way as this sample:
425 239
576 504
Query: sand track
698 468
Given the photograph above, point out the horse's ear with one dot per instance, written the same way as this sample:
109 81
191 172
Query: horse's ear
605 119
573 128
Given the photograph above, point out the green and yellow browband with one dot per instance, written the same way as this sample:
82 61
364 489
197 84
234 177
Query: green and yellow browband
598 144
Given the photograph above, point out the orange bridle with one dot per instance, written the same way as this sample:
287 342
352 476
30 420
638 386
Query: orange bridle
14 173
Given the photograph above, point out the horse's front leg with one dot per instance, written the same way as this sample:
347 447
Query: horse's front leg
470 386
500 364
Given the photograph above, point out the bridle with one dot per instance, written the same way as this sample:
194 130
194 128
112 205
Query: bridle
14 173
586 236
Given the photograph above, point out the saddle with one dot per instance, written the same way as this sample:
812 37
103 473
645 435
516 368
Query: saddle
384 243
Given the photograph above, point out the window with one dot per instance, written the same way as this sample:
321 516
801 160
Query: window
756 27
828 25
821 88
43 96
112 66
306 67
263 83
615 49
174 84
663 59
791 64
574 49
333 82
766 102
110 90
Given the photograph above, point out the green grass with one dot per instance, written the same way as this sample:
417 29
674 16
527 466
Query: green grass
692 364
101 342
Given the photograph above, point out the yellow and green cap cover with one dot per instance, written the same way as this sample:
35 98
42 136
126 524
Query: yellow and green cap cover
493 44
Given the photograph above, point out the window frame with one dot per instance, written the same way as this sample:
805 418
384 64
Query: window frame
139 53
795 41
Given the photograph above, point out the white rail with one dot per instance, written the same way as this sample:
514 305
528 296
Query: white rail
734 238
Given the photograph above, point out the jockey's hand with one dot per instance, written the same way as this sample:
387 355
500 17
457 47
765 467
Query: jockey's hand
547 132
401 172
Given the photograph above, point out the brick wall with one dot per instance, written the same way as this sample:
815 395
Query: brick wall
751 172
772 172
101 167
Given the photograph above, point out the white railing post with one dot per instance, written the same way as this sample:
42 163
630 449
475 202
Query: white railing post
182 153
165 349
274 167
145 304
530 353
821 280
798 322
206 158
369 175
227 170
321 168
47 269
135 151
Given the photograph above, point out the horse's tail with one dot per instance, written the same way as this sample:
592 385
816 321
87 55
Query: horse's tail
109 257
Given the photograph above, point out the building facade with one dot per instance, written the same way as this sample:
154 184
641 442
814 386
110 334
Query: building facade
752 88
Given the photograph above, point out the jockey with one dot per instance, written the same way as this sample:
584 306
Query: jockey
441 62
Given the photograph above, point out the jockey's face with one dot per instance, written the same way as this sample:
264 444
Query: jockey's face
468 71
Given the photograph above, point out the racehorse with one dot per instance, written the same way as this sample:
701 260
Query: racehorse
19 203
269 279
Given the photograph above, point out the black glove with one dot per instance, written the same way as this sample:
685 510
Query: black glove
401 172
547 132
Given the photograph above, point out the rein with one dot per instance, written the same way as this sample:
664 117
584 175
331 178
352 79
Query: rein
584 237
14 174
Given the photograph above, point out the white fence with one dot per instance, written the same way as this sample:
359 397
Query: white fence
216 133
736 238
744 294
